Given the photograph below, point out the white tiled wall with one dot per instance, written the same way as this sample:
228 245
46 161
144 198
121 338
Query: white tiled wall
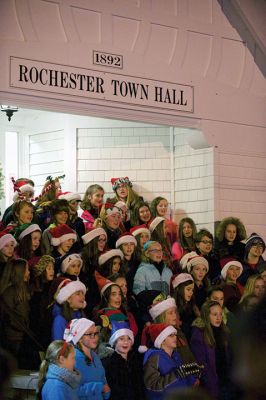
46 156
144 154
194 181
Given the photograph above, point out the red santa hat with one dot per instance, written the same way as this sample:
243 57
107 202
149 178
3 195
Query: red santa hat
70 259
92 234
69 196
110 254
192 259
228 262
176 280
137 230
122 181
102 282
66 288
76 329
20 188
61 233
126 237
6 237
157 333
162 306
155 222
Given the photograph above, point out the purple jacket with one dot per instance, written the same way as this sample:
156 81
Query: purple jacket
205 355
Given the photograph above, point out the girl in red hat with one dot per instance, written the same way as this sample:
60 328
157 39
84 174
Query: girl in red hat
68 303
94 242
29 237
122 187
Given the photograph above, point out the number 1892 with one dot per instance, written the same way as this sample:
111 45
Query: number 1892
107 59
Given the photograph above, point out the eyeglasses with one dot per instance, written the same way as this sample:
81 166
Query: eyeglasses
91 335
206 241
156 251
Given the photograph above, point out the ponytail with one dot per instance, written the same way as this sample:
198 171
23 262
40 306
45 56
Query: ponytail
55 349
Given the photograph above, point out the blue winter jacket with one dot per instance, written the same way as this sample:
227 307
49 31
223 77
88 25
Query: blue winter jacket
92 377
59 322
60 384
160 374
148 278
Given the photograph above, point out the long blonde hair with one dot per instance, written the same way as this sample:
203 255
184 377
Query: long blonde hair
55 349
250 286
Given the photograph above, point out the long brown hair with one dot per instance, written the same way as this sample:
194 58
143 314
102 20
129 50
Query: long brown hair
208 331
13 275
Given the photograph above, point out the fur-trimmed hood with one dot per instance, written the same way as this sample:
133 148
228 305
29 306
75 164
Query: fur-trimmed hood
241 231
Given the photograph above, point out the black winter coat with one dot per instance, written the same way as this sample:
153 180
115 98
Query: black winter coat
124 377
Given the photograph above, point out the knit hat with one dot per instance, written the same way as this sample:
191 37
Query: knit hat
6 237
61 233
228 262
148 244
42 264
137 230
102 282
76 329
66 288
92 234
155 222
67 260
26 229
180 278
123 181
110 254
108 315
160 307
192 259
126 237
157 333
119 329
20 188
69 196
253 240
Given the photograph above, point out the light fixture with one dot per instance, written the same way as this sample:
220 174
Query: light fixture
9 110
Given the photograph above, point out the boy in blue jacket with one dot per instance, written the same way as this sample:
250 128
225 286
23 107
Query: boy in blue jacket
163 367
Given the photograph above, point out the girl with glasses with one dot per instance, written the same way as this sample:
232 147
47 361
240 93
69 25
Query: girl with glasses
83 334
204 247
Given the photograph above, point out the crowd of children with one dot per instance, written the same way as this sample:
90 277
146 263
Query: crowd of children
122 302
